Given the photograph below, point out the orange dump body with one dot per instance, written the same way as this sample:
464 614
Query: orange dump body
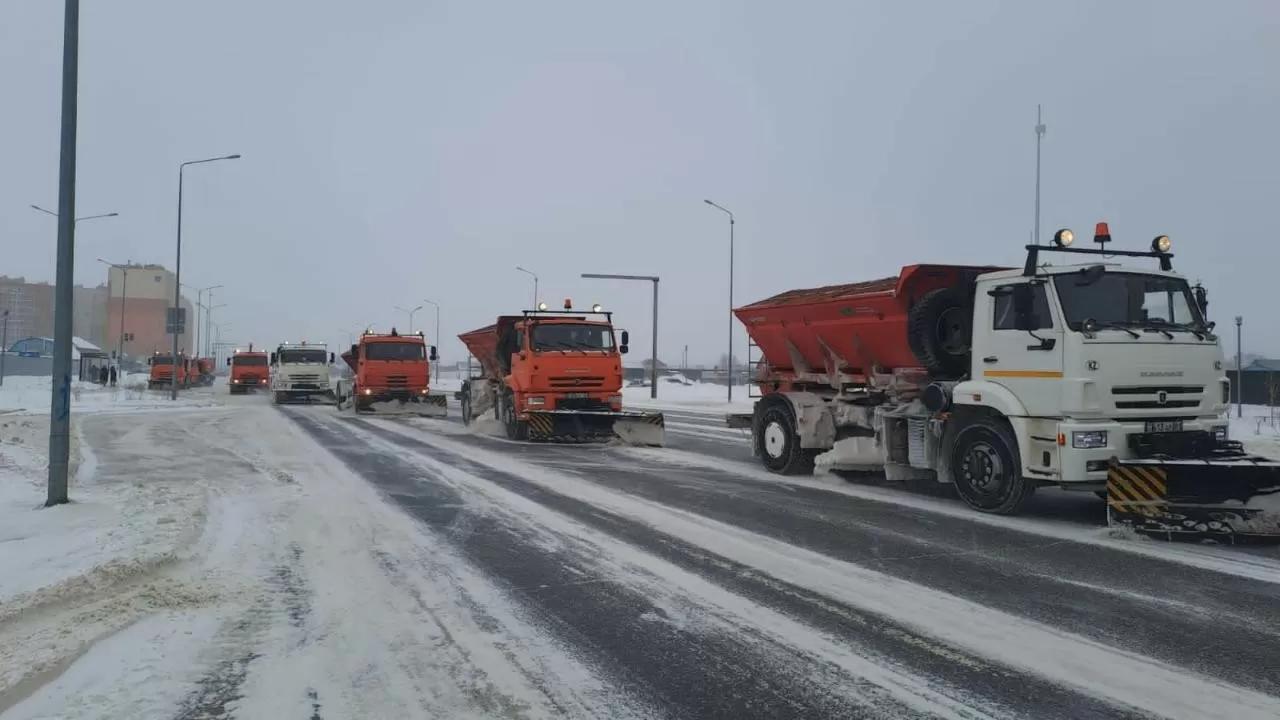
483 345
864 325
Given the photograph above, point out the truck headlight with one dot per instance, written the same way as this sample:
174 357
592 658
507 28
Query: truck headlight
535 401
1089 439
1220 433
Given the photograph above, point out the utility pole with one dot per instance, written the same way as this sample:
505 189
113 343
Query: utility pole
4 345
64 292
1040 130
653 357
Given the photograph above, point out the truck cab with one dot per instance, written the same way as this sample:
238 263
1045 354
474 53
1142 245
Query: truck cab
249 370
1083 358
164 372
300 372
390 372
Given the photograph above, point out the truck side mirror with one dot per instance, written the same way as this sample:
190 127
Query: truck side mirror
626 338
433 356
273 358
1202 299
332 359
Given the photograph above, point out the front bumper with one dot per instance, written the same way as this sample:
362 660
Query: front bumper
1090 464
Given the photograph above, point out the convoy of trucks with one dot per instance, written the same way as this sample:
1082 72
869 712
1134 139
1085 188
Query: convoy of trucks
390 375
1093 376
554 375
300 372
1098 377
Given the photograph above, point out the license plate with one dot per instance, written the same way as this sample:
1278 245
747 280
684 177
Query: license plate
576 396
1163 426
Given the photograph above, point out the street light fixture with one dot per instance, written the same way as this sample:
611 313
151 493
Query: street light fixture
535 286
124 293
729 362
201 330
79 219
177 265
410 313
436 338
653 357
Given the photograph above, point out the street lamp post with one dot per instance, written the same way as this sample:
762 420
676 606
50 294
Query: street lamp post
208 319
79 219
410 313
4 345
177 265
1239 369
124 293
64 291
729 362
436 338
201 332
534 306
653 356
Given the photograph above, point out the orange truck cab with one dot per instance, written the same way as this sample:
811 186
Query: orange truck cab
248 371
391 373
203 370
162 370
555 375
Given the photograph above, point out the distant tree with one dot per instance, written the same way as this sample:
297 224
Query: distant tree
649 361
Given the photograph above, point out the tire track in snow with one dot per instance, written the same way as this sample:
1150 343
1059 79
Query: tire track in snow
1219 625
692 669
992 688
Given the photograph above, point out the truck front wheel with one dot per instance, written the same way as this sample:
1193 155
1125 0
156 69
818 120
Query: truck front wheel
988 469
778 441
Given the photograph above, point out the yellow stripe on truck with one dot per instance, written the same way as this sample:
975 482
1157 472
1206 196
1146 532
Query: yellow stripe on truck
1022 373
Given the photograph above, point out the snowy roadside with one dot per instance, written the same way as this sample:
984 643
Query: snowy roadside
678 393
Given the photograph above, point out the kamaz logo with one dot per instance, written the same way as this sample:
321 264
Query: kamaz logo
1160 373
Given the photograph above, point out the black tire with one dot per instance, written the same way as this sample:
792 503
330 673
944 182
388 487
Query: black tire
938 332
987 468
516 429
778 442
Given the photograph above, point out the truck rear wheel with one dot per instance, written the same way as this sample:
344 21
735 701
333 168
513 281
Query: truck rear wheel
777 441
938 332
987 468
516 429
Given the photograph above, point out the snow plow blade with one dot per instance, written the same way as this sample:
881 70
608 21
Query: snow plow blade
646 429
1226 497
429 406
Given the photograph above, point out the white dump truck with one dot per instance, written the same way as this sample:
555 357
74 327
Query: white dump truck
300 372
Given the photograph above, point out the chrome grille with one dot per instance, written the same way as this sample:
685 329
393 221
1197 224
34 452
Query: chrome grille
1157 397
584 382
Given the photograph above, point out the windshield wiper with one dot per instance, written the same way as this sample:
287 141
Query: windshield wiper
1161 324
1091 325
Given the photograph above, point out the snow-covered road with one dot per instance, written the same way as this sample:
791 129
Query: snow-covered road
305 563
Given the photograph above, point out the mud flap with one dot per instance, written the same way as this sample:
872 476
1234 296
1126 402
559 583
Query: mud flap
1228 499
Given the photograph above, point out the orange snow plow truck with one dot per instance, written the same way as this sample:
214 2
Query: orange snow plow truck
249 371
162 370
555 376
1096 376
390 375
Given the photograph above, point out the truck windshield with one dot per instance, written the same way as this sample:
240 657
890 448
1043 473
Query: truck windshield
394 351
572 336
249 361
296 355
161 359
1128 300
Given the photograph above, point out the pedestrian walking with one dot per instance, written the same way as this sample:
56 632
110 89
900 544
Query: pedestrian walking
112 376
102 376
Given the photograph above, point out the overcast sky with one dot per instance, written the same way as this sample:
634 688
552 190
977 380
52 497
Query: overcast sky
396 150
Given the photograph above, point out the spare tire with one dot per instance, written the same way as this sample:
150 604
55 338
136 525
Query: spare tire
938 332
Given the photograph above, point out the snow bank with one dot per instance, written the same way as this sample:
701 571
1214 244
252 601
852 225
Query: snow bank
677 391
33 395
1258 429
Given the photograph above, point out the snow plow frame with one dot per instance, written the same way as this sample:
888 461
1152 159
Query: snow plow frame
646 429
1204 491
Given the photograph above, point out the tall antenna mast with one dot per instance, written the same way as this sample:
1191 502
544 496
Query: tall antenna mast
1040 129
